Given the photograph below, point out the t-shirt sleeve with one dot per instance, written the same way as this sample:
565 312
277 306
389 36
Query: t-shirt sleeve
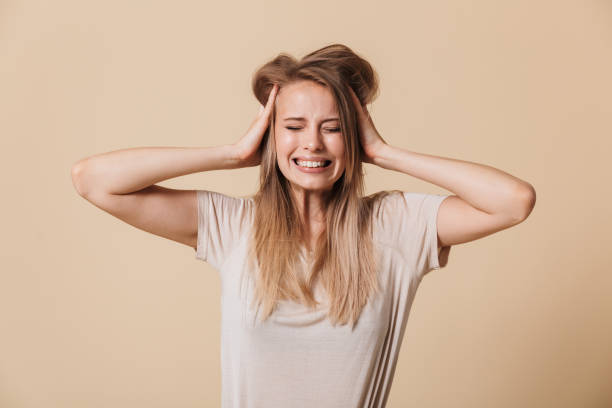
410 223
221 221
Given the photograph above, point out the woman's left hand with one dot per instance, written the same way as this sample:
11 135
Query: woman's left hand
369 138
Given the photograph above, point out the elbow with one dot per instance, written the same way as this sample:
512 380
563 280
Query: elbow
525 199
77 175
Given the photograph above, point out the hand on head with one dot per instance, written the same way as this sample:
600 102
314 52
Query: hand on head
249 146
369 138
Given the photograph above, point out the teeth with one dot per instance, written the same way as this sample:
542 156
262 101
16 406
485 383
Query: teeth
310 163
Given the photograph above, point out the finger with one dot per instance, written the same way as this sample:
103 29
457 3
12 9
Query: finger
357 102
272 96
265 110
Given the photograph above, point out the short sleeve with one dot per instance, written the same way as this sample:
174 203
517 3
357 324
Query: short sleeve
221 224
410 225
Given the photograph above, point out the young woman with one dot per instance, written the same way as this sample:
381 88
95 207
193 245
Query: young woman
317 279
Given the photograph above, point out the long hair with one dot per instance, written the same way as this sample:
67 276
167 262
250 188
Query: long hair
344 258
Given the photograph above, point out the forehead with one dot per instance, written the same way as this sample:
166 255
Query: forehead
305 99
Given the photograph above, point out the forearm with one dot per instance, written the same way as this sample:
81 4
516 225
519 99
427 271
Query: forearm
484 187
128 170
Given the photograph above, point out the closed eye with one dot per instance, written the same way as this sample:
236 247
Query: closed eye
328 129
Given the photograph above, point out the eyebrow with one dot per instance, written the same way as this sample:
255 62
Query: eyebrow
301 119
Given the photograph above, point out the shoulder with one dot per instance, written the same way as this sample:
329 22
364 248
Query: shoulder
224 207
382 200
213 198
399 212
388 205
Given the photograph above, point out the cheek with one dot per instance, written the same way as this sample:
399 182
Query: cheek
339 152
283 145
283 152
338 148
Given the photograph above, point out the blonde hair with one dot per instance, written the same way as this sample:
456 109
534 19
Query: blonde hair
344 258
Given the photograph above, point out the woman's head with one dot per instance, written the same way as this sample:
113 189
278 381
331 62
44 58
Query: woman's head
314 89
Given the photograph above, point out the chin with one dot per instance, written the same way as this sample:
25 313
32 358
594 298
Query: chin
313 187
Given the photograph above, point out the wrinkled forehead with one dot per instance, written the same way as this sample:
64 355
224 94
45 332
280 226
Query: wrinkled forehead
305 99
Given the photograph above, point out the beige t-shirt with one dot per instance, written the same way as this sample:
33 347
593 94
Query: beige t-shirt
296 358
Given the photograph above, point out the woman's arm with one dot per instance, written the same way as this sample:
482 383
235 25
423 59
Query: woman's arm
122 182
487 200
484 187
129 170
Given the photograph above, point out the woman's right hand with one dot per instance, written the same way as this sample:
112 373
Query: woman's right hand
248 147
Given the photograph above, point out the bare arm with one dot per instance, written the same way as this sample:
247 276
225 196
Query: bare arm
129 170
486 199
486 188
122 182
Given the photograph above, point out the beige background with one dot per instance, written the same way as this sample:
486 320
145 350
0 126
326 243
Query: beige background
96 313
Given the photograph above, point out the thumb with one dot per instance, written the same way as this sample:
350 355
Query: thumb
261 109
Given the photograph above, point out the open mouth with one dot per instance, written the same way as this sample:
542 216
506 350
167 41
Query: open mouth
325 164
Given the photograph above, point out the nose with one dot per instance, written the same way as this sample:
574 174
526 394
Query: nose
312 140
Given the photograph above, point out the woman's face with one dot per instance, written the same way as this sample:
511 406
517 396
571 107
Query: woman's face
307 131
